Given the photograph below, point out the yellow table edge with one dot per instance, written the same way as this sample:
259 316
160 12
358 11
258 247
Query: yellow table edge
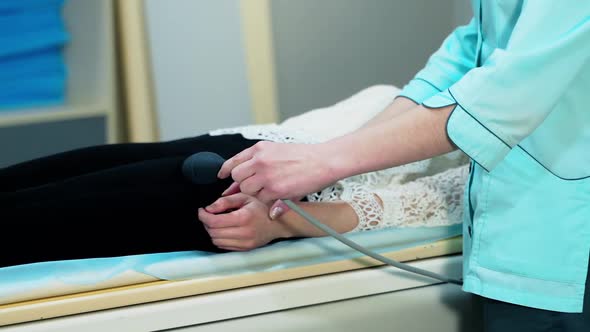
59 306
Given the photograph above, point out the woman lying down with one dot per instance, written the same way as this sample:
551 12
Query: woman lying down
126 199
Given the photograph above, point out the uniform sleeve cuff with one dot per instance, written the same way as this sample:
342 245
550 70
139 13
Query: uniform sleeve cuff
470 135
419 90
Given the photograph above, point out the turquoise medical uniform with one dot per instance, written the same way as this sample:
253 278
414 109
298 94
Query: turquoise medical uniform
519 77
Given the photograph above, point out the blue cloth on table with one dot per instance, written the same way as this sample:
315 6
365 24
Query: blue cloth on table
197 264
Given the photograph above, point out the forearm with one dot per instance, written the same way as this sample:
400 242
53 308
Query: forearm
338 215
417 134
397 107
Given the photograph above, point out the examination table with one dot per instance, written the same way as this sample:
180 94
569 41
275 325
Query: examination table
297 285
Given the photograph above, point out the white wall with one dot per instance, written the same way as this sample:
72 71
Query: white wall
198 65
327 50
463 11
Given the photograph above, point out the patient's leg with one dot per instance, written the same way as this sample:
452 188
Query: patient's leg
145 207
136 208
85 160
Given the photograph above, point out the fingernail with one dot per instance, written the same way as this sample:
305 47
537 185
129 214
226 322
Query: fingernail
275 212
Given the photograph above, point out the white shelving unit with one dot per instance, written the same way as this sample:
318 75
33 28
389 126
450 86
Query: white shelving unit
91 97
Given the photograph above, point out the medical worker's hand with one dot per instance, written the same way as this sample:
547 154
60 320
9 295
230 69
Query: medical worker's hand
271 171
240 222
277 209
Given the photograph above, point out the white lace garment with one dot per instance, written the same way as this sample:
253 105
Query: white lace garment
423 193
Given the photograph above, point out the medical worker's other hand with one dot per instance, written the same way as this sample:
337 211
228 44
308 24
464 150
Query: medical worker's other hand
271 171
240 222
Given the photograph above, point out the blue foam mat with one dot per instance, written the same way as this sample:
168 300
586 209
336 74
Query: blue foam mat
45 90
23 32
10 6
32 64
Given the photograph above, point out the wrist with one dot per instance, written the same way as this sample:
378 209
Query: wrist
281 226
291 225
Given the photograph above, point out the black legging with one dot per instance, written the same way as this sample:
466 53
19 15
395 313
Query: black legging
108 200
